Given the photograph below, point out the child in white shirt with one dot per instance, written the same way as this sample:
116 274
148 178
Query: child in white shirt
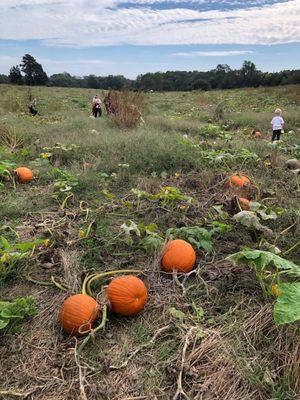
277 125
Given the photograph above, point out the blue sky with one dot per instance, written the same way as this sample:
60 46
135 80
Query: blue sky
139 36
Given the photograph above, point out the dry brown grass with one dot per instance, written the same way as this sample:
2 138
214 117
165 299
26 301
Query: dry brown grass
128 107
9 138
223 367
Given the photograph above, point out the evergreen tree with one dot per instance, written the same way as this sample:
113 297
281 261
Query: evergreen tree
15 76
34 73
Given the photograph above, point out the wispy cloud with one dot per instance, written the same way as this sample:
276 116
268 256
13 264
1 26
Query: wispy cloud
108 22
228 53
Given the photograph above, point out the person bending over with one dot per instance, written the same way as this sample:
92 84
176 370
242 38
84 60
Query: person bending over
32 107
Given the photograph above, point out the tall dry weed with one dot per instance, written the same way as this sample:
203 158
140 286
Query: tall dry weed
127 107
9 138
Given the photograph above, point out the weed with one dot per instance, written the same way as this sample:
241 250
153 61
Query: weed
127 108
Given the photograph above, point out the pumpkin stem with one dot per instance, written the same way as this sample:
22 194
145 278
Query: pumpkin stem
93 331
86 286
85 281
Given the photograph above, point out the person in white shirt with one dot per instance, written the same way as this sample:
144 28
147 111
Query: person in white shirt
96 107
277 125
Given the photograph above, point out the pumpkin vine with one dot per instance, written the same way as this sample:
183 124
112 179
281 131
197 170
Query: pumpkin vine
89 279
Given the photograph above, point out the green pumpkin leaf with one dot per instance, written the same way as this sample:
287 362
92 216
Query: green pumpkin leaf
28 245
198 236
262 259
267 214
287 306
16 310
248 219
152 243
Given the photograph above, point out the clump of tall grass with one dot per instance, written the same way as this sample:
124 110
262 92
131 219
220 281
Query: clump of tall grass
127 108
219 111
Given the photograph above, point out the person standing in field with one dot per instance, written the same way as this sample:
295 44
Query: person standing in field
277 125
32 107
96 107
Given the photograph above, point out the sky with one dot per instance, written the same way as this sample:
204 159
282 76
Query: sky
137 36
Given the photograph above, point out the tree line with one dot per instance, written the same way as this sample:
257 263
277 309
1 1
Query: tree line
31 73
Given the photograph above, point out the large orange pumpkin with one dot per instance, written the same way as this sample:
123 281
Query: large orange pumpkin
239 180
178 254
24 174
244 203
78 313
127 295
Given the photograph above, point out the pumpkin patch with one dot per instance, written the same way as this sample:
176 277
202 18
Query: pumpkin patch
157 261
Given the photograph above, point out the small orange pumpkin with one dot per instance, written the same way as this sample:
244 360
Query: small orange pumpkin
178 254
24 174
78 313
127 295
239 180
257 135
244 203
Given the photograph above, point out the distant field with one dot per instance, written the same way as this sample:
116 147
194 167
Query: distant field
107 199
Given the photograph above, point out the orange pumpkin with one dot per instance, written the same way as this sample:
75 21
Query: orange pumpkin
24 174
127 295
244 203
239 180
78 313
178 255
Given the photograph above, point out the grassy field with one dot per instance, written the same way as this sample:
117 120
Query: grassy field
106 199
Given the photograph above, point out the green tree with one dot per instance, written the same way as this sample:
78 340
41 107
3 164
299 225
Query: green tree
63 80
15 76
4 78
34 73
201 84
250 75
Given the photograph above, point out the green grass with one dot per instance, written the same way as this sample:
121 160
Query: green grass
236 342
